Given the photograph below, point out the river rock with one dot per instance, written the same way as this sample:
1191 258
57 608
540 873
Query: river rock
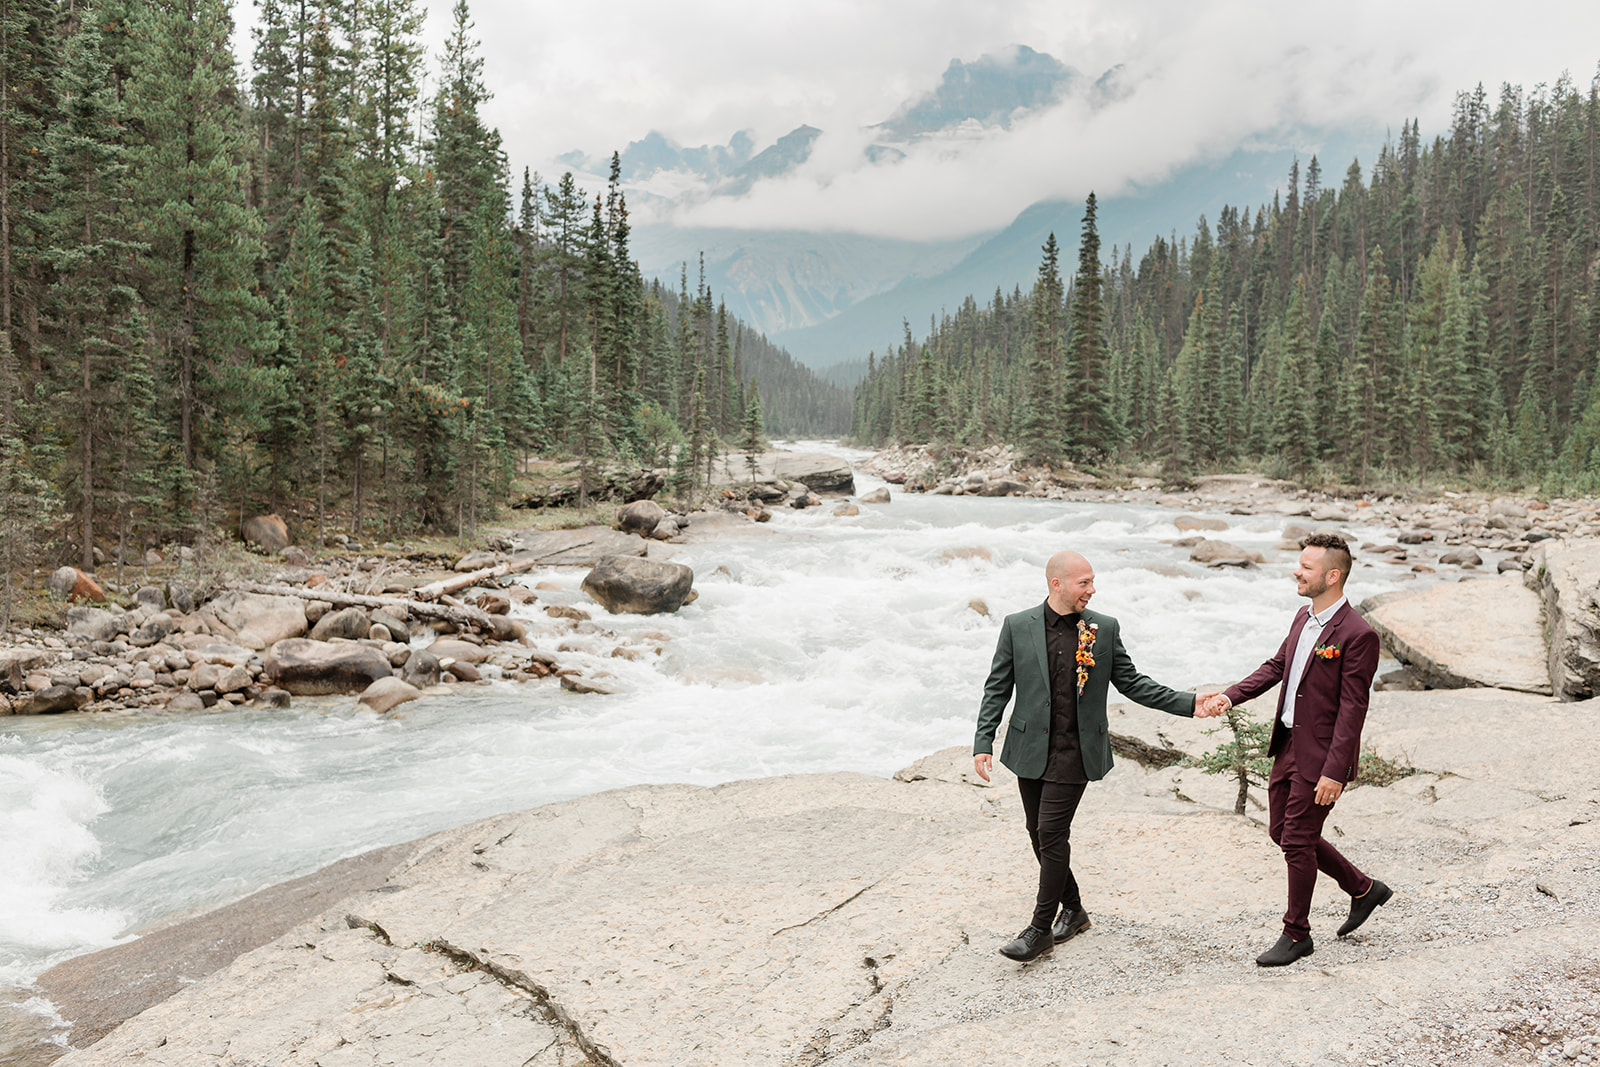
386 694
232 680
819 473
626 585
295 556
51 700
314 668
69 583
1004 487
451 648
490 601
584 546
421 669
268 533
180 597
577 683
1222 554
1565 576
475 561
1465 556
879 495
258 621
506 629
846 511
96 624
1458 635
665 530
186 701
393 619
350 624
151 598
152 631
640 517
1200 522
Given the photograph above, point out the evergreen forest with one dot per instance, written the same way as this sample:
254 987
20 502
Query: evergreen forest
1434 318
315 287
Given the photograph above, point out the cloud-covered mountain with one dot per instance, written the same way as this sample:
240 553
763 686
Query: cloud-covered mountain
989 91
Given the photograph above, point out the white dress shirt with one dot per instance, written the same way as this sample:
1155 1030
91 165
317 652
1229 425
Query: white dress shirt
1302 655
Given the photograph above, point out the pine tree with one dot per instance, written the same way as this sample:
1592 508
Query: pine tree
750 439
1090 427
1042 430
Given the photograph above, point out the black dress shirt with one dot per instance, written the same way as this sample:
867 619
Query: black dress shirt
1065 762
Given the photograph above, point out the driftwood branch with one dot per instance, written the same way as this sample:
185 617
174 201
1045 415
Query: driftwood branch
463 616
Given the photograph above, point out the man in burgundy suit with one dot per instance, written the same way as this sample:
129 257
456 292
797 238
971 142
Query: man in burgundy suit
1326 666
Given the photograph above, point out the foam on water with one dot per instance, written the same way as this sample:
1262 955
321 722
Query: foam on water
830 644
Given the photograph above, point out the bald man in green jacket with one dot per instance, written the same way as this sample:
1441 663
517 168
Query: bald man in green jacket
1058 658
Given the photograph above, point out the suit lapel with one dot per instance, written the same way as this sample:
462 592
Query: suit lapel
1036 619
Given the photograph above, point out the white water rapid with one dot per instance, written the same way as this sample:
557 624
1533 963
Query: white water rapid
819 644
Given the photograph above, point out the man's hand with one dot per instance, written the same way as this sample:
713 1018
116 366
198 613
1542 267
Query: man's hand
1328 791
983 762
1210 705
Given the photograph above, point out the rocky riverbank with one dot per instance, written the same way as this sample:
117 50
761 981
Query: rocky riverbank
845 919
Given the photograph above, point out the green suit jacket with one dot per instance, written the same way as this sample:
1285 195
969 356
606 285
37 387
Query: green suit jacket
1019 664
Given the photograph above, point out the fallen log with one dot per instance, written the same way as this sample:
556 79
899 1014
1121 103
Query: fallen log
435 590
463 616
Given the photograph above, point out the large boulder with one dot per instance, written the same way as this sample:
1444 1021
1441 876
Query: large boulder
388 693
69 583
1565 576
259 621
269 533
640 517
584 546
48 701
421 669
1222 554
96 624
453 648
628 585
1458 635
314 668
351 624
820 473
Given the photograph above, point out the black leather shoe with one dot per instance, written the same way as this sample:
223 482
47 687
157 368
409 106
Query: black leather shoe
1285 952
1069 924
1029 945
1362 907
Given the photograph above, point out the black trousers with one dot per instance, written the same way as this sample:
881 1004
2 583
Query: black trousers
1049 808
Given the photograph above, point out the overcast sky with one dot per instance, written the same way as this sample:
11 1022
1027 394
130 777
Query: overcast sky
1205 77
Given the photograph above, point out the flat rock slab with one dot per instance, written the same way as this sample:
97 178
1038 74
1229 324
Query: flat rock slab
1482 632
1565 575
848 919
583 547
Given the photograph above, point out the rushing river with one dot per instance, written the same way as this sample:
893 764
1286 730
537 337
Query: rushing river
824 644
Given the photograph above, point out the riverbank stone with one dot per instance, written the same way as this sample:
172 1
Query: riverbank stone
1565 576
584 546
305 667
258 621
1457 635
627 585
386 694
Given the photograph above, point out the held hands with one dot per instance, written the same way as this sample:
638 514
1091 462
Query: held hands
1209 705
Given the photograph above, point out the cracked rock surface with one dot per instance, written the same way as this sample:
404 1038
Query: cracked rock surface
851 920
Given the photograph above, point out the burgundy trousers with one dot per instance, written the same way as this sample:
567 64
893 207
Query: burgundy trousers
1295 824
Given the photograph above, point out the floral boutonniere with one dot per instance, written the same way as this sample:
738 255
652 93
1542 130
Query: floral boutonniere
1326 651
1087 632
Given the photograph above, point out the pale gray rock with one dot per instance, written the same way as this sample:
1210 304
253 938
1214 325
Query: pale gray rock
315 668
421 669
22 660
476 561
96 624
351 624
393 620
451 648
845 511
627 585
879 495
577 683
1464 556
666 529
385 694
1565 577
1463 634
1215 553
581 547
151 598
820 473
295 556
1200 522
185 701
232 680
152 631
1004 487
259 621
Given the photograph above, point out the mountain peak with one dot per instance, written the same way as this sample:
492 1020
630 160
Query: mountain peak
989 90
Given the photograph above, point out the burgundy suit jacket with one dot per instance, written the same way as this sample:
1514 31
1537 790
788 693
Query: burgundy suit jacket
1330 705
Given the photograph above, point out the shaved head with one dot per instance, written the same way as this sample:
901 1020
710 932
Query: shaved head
1071 582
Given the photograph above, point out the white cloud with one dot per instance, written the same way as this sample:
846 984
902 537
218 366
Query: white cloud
1205 76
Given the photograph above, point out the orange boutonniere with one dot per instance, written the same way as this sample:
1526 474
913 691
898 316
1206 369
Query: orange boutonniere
1326 651
1087 632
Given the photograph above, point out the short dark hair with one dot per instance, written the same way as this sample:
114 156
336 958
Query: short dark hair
1335 545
